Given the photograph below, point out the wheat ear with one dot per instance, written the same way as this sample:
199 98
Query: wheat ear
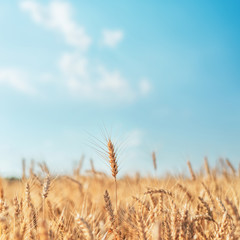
154 161
45 192
113 164
191 170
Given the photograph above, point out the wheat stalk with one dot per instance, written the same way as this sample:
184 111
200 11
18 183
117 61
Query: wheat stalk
113 163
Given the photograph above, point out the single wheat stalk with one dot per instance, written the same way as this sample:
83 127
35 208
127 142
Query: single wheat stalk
231 167
33 216
108 206
27 194
112 218
191 170
45 192
23 169
207 168
113 163
154 161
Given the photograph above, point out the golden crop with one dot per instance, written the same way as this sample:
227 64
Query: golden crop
95 206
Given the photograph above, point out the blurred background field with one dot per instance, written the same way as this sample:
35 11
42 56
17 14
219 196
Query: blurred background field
204 205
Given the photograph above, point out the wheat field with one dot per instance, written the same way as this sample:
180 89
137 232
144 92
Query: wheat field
93 205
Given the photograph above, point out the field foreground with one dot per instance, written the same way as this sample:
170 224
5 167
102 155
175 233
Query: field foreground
84 206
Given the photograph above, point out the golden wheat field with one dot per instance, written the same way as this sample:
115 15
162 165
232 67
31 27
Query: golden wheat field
92 205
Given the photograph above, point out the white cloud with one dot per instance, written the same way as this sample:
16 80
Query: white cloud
74 65
112 81
58 16
82 76
85 79
112 37
15 79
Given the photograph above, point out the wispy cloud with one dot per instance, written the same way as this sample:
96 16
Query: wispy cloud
112 81
57 15
74 65
81 76
112 38
85 79
16 79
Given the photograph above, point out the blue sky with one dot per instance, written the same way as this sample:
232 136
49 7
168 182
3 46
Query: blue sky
162 76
